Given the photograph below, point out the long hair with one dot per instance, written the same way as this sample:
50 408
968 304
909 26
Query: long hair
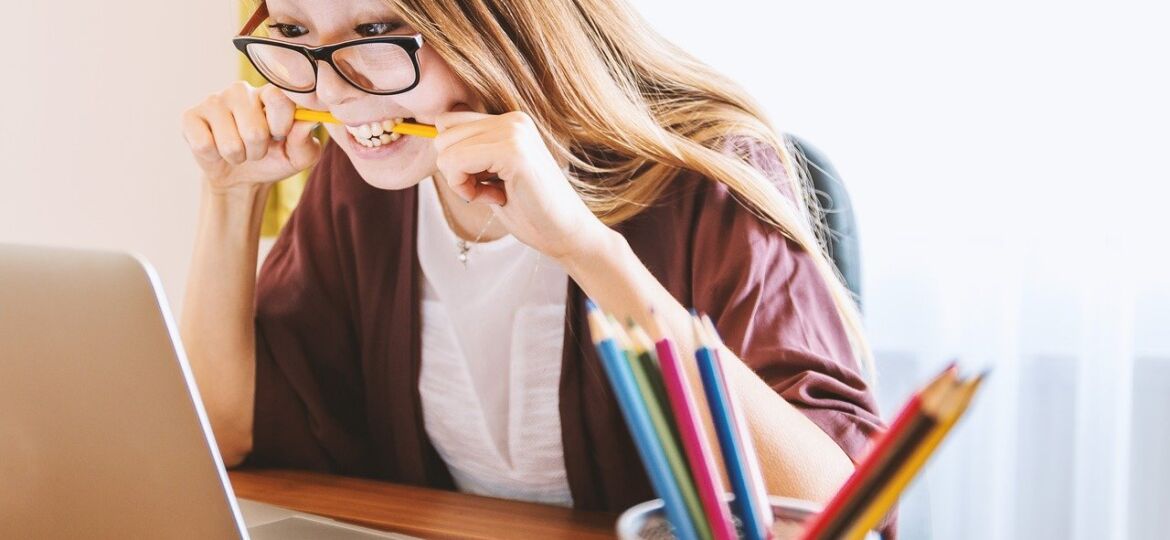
626 110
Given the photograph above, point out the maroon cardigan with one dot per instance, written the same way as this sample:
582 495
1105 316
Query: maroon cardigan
338 333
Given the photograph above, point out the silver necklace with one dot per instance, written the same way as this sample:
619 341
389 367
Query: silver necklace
463 246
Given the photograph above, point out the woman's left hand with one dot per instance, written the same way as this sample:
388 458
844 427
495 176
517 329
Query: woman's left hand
502 160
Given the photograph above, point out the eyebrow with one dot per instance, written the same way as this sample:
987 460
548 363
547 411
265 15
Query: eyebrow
363 17
388 16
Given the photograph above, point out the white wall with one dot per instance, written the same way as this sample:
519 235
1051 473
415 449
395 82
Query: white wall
956 115
91 149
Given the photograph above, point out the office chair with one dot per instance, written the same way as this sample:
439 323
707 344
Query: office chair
841 227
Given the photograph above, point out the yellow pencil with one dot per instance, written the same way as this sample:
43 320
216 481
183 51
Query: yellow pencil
309 115
951 411
405 128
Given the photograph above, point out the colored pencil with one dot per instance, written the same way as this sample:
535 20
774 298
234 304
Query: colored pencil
907 427
647 356
662 411
694 438
649 380
730 439
637 418
405 128
950 410
761 506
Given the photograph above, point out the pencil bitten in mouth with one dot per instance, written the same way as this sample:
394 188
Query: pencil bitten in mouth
376 134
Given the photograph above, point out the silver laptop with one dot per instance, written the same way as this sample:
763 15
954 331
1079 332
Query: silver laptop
102 431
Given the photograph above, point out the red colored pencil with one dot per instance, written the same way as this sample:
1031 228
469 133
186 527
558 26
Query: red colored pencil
879 457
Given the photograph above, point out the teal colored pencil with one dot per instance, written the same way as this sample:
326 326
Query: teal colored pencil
634 411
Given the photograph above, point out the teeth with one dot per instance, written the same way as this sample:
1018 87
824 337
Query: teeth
375 134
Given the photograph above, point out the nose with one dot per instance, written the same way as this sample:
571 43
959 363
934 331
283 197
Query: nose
332 89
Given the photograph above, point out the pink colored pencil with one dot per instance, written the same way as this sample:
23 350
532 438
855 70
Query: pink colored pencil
694 440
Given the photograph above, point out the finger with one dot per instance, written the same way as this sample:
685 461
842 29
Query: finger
458 133
490 192
461 165
454 118
251 124
461 183
197 133
301 147
278 110
223 130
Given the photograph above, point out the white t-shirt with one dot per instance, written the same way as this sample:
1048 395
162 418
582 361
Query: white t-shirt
492 341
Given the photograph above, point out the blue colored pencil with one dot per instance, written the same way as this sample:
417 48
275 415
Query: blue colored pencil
730 440
755 479
621 379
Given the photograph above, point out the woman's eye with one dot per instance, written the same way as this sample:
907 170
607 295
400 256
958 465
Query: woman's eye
376 29
289 30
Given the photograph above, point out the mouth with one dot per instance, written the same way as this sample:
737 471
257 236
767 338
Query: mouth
377 133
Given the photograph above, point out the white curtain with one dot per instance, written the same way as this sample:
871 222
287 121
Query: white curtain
1024 229
1070 437
1007 162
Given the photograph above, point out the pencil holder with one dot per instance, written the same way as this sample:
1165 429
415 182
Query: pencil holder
646 521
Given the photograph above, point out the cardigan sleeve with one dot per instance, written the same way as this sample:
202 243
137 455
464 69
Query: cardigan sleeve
773 308
307 405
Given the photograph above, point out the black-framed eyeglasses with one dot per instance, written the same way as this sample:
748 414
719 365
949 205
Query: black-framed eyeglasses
383 65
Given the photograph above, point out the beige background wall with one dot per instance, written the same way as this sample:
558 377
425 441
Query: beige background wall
90 147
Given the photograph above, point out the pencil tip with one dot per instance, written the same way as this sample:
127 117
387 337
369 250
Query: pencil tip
699 333
712 332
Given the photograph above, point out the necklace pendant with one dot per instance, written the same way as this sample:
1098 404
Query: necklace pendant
463 249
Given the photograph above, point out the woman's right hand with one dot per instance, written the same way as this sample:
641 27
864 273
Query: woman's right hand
246 136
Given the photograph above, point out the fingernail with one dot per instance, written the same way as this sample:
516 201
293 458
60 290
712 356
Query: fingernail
278 138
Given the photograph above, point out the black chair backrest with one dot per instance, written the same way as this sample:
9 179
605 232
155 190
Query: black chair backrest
840 224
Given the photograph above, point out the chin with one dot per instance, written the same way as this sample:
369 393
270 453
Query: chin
391 178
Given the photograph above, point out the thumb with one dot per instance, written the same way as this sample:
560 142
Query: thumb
301 147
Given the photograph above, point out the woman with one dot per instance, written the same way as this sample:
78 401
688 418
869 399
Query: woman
420 318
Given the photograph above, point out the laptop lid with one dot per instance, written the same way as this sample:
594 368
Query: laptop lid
102 432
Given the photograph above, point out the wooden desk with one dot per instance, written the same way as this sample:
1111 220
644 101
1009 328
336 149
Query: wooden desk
417 511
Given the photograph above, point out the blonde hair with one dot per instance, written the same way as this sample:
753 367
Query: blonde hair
626 110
